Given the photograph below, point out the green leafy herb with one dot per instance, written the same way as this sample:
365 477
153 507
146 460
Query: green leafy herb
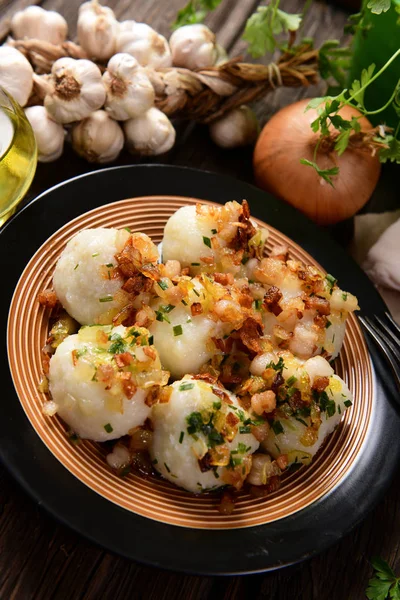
186 386
378 6
181 437
177 329
151 340
347 403
118 347
326 404
392 152
245 429
245 259
279 366
76 266
344 296
109 265
301 421
326 174
127 229
161 316
328 324
95 254
167 467
163 284
195 11
384 584
217 405
108 428
195 264
331 280
184 303
257 304
167 308
213 231
265 24
334 61
277 427
106 299
291 380
207 241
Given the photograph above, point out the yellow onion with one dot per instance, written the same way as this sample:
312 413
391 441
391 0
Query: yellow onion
286 139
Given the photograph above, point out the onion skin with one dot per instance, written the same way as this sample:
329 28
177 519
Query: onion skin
287 138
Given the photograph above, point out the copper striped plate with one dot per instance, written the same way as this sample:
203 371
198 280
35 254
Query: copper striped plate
155 498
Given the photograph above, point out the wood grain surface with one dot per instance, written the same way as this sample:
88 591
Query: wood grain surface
40 559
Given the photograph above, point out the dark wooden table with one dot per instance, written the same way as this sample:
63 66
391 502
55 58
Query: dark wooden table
41 559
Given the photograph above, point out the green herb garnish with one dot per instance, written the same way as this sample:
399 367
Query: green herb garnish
181 437
277 427
186 386
384 584
207 241
108 428
106 299
177 329
279 366
163 285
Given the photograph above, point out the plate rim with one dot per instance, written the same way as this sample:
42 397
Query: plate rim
385 412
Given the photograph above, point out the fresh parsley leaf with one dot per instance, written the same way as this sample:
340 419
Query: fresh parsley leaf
378 6
324 173
195 11
266 23
342 141
357 87
392 152
384 584
334 61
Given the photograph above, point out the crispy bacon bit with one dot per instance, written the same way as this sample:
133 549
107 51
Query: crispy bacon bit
137 283
150 352
224 278
205 377
152 396
47 298
322 305
74 357
232 419
320 321
221 394
245 299
208 260
271 300
250 333
144 317
125 316
296 401
129 387
282 461
227 503
220 344
320 383
245 229
196 309
124 359
105 374
165 394
185 272
277 382
219 456
205 463
260 491
280 252
46 363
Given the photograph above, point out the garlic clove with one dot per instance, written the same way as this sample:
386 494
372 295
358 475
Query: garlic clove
144 43
98 138
16 74
97 30
129 91
49 134
76 90
36 23
150 134
222 56
193 47
238 127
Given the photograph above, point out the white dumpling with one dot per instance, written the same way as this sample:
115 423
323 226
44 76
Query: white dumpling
176 452
184 343
184 235
288 435
81 278
99 379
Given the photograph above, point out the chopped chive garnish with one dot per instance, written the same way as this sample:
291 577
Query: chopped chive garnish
184 303
245 429
207 241
177 329
167 308
245 259
186 386
217 405
328 324
195 264
167 467
95 254
181 437
127 229
277 427
291 380
347 403
213 231
155 461
108 428
163 285
109 265
76 266
257 304
151 340
106 299
331 282
344 296
196 292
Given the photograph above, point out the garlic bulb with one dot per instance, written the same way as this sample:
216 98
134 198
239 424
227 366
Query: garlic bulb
49 134
129 91
76 90
222 55
193 47
97 29
238 127
16 74
150 134
144 43
36 23
98 138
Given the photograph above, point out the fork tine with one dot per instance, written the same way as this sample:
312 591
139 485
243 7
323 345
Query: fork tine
388 330
392 321
383 337
378 340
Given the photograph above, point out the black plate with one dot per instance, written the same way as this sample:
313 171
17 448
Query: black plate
249 550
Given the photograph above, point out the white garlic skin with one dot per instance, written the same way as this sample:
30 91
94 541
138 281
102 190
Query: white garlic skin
144 43
77 90
193 47
238 127
36 23
16 74
49 135
97 30
129 91
150 134
98 138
